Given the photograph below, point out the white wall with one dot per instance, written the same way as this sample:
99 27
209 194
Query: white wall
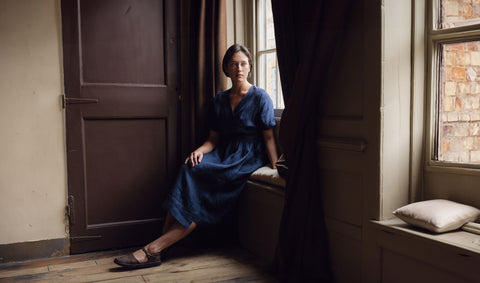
395 106
32 148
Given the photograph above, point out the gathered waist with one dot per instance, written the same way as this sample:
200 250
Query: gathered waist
240 138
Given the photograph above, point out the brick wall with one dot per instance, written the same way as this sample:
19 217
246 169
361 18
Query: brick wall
459 139
454 11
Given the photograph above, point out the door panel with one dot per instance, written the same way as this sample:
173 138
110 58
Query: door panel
108 56
111 172
122 118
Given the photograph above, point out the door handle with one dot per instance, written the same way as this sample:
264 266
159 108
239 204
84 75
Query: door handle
66 100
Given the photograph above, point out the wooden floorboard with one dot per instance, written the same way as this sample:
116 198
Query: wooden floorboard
226 265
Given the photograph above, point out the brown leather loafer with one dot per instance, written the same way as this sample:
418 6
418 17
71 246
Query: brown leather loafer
129 261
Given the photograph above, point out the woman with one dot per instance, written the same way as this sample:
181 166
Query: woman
240 141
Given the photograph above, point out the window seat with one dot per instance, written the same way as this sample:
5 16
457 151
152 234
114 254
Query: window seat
260 210
408 254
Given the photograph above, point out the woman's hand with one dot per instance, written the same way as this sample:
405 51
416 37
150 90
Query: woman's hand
195 158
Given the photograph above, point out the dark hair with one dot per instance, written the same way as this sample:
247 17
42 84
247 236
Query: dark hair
229 54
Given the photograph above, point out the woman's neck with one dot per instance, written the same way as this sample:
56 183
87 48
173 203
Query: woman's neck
240 89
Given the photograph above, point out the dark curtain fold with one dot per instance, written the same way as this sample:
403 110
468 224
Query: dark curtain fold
309 37
206 44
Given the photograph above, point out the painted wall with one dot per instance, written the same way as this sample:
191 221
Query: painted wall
32 148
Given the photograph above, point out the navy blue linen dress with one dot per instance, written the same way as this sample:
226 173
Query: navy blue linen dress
207 192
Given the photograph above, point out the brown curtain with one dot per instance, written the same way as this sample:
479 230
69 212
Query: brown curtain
204 42
308 36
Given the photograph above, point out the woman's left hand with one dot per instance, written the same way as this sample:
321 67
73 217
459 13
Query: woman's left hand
195 158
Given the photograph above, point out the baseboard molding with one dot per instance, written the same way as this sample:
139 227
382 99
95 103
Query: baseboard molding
34 250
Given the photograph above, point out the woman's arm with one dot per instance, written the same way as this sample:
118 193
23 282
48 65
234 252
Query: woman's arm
196 156
271 146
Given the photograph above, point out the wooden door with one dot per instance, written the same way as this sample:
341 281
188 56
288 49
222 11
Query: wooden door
121 73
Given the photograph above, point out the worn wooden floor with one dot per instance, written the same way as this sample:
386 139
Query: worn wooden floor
226 265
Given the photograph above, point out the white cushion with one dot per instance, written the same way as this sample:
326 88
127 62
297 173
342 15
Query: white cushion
437 215
268 175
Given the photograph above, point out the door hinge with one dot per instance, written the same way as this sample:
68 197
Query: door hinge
71 209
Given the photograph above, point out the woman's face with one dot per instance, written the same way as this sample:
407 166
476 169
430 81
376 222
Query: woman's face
238 68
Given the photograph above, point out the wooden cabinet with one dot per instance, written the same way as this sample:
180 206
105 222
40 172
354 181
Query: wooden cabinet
407 254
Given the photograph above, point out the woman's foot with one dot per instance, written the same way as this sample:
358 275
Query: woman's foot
139 259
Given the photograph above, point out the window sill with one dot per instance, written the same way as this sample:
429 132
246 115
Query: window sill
468 242
447 257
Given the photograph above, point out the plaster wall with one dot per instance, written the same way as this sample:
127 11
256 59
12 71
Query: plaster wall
32 144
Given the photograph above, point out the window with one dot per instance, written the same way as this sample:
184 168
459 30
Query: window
454 39
267 75
452 133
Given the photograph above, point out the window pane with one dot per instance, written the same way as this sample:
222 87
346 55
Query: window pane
268 76
266 31
459 103
456 13
269 79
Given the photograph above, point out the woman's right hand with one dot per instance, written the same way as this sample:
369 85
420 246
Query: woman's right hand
195 158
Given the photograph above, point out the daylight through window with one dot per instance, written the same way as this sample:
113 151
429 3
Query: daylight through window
268 76
458 87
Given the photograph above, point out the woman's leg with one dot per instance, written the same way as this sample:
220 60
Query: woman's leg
172 233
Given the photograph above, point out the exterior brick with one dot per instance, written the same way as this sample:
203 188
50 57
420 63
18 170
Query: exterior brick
469 143
448 73
455 47
456 145
471 74
463 157
471 103
448 104
475 156
451 8
474 88
475 117
458 74
475 58
472 46
458 104
455 156
461 130
476 9
452 117
474 129
459 139
448 130
464 117
445 146
463 87
450 59
466 11
462 58
450 88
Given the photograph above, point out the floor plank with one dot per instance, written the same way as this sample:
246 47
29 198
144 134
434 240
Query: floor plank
196 266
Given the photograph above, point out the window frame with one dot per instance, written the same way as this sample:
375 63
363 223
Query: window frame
431 179
434 38
257 53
